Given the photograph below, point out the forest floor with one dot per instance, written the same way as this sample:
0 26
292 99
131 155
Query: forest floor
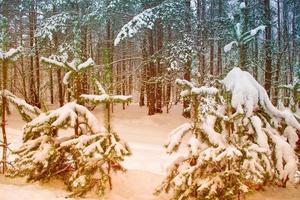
146 136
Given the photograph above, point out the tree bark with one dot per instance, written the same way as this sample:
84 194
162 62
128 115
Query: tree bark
268 50
187 65
278 60
159 68
31 44
151 75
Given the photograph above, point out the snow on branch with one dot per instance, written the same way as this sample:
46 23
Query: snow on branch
190 89
87 64
145 19
27 111
248 94
72 68
11 54
62 117
176 136
103 97
52 62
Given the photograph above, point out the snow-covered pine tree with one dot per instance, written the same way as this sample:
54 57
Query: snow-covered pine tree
239 141
104 98
69 144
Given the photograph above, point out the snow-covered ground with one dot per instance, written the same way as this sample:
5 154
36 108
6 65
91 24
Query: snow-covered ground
146 136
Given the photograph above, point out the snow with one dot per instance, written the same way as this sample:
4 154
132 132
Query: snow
262 139
242 5
142 20
255 31
86 64
146 135
66 78
229 46
247 93
291 134
204 90
176 135
10 54
52 62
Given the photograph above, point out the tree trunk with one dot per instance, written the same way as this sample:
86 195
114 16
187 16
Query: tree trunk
31 44
159 68
58 71
212 41
278 60
187 65
143 73
51 86
152 74
203 38
3 124
243 47
268 50
37 61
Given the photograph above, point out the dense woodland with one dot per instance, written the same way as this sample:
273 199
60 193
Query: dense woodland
140 47
234 65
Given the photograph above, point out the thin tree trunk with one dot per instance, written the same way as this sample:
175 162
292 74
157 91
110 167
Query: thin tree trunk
143 73
268 50
58 71
212 41
187 65
37 61
278 61
150 79
3 124
31 44
159 68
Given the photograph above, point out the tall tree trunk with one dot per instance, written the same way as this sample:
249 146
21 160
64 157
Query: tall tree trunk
187 65
151 74
159 68
5 29
168 92
31 44
22 60
278 60
124 72
58 71
212 41
268 50
143 73
243 47
51 86
37 61
201 13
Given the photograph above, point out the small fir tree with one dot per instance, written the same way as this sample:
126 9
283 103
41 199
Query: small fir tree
239 141
82 158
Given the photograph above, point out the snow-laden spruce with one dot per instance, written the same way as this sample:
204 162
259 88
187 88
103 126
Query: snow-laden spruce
238 141
69 143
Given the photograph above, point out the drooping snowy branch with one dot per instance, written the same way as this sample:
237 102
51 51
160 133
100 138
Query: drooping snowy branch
71 68
11 54
247 93
27 111
103 97
145 19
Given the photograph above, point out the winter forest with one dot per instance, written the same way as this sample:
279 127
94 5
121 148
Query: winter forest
150 99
